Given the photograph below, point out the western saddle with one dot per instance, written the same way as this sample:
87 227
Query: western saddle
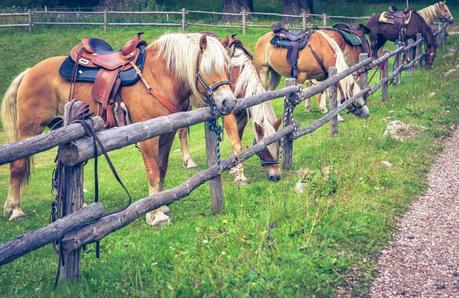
293 41
98 56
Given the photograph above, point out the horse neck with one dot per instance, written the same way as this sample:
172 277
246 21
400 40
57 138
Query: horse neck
426 32
249 83
429 13
164 82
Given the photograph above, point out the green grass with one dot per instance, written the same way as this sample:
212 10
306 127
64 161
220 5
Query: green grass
269 241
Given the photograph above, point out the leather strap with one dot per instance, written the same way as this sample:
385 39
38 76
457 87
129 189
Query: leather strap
319 61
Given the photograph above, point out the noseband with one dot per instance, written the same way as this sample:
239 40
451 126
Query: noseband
263 161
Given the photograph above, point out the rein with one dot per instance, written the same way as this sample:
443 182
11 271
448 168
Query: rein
57 206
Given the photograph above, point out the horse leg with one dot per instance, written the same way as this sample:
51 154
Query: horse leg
274 80
264 75
188 162
231 127
150 152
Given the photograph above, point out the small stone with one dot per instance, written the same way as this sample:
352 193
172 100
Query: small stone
386 164
410 237
299 187
440 285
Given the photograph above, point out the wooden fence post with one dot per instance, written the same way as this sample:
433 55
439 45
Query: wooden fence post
72 201
419 49
244 21
105 19
411 52
364 74
333 101
288 119
324 19
303 20
183 19
30 21
215 185
385 74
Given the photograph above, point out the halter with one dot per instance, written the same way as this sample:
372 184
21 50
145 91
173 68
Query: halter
263 161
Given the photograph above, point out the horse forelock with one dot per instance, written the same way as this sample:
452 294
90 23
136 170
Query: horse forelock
249 83
180 53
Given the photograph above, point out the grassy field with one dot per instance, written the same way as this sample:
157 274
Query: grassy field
269 240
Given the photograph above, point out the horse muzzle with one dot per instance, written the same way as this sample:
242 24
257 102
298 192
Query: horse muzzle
225 102
363 112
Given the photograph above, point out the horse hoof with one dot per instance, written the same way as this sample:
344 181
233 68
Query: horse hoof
17 214
157 218
7 210
190 164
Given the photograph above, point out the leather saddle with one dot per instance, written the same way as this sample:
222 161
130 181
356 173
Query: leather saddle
293 41
95 61
396 16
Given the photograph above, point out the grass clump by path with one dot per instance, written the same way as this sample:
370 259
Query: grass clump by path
269 240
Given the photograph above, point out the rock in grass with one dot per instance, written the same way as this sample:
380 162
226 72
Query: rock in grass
386 164
299 187
401 131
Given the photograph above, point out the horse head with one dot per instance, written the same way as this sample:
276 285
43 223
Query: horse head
444 12
212 79
269 157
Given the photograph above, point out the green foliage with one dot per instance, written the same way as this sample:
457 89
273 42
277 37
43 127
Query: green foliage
269 241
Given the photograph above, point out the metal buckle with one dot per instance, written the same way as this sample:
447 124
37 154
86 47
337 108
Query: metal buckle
83 61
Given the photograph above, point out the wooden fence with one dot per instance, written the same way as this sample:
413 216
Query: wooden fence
180 19
87 225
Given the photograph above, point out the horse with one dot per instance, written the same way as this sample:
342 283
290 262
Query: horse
245 82
176 65
438 10
323 51
381 32
351 55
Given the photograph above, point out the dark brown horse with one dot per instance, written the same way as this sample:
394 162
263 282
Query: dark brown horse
382 32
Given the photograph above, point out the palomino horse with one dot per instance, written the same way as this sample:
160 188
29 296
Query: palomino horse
381 32
271 62
351 55
176 65
246 82
438 10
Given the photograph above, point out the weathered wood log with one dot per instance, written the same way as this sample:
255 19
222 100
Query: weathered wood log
30 241
287 145
215 185
385 86
411 53
333 103
72 200
363 74
45 141
111 223
118 137
419 48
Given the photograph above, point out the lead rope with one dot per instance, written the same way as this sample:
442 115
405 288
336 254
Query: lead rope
216 128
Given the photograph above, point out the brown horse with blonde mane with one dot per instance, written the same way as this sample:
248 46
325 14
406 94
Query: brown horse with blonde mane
323 51
245 82
176 66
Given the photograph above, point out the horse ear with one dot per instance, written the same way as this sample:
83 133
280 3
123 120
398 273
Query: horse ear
259 130
365 29
277 124
203 42
225 42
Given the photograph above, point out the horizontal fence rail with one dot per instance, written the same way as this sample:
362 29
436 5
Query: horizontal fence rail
182 19
89 225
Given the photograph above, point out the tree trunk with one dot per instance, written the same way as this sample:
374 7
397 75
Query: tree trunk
296 7
236 6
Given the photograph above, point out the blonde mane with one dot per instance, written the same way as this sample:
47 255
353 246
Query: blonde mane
180 52
429 13
249 83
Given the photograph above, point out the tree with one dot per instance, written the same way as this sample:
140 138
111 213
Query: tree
295 7
236 6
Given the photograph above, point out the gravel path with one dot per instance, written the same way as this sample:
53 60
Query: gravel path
423 260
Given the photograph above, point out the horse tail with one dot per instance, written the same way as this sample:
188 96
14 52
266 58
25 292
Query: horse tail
349 83
9 108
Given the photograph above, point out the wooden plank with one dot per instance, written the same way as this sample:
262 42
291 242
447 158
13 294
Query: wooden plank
333 103
288 120
419 48
72 200
410 53
183 19
385 87
46 141
215 185
30 241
